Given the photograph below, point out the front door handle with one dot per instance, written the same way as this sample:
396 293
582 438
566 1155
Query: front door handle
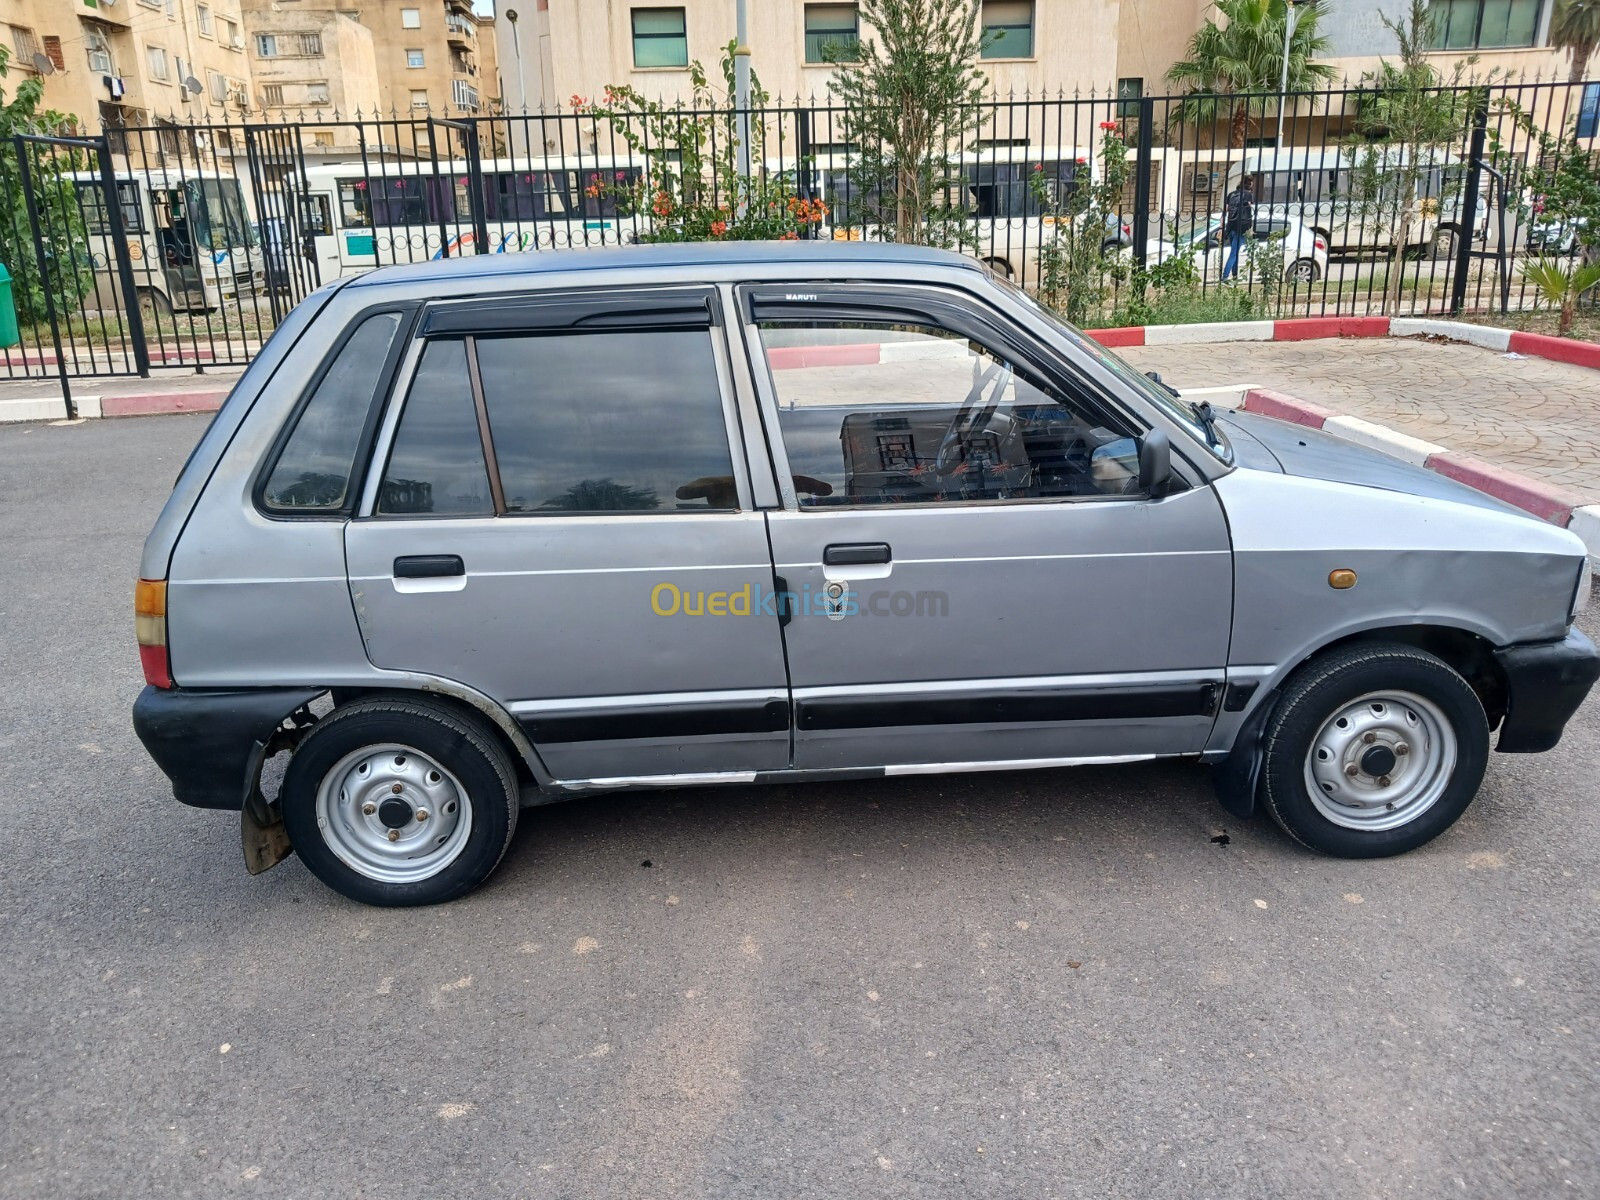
428 566
856 554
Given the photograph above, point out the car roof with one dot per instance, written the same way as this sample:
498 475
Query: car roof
723 258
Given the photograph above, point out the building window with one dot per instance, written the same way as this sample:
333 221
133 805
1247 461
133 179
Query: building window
266 45
218 86
419 98
202 17
98 51
25 45
311 45
1129 92
1589 111
272 95
317 93
1007 29
414 58
157 58
832 32
1483 24
411 18
230 34
464 95
660 38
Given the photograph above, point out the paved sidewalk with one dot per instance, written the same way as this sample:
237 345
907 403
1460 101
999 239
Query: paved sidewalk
1525 414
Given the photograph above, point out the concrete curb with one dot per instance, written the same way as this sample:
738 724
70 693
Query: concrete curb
1543 500
1301 329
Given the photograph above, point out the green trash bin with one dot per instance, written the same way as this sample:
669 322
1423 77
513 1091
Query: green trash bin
9 334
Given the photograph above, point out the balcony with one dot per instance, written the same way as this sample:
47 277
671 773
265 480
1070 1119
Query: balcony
459 32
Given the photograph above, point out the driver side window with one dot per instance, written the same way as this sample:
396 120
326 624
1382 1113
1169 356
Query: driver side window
879 413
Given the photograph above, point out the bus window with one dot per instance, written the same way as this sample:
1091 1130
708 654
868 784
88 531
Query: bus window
92 204
389 201
526 195
217 208
599 193
316 215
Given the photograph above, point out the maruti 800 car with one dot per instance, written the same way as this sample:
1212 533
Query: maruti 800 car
500 531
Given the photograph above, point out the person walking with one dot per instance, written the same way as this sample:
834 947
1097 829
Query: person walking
1238 218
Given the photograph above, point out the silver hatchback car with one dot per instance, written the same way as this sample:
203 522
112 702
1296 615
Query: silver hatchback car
500 531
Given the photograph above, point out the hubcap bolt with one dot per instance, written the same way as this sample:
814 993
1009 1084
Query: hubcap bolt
1401 748
369 808
422 814
394 835
1369 737
1383 781
1352 770
396 788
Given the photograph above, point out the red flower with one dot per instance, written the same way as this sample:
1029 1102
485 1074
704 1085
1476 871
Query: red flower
1038 166
577 101
1108 125
718 228
1083 162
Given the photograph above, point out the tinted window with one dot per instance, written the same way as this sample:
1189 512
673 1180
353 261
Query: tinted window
313 471
607 422
902 414
437 466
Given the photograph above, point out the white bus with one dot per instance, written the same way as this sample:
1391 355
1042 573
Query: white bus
356 216
191 240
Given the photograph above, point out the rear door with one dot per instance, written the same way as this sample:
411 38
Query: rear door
976 577
556 518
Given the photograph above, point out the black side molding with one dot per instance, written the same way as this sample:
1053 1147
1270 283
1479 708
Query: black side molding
1545 683
1008 707
676 721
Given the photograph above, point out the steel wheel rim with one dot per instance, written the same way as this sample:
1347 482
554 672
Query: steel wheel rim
359 807
1381 761
1303 272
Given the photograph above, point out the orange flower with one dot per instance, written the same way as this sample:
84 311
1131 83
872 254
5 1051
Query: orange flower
791 236
718 228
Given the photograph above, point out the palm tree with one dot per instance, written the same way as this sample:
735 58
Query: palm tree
1575 28
1225 63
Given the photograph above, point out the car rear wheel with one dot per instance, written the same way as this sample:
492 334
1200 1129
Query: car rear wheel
400 802
1303 271
1373 750
1444 245
999 266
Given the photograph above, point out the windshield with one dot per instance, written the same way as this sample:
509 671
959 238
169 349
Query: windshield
1158 394
219 217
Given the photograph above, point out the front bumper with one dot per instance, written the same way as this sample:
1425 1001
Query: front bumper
208 743
1545 683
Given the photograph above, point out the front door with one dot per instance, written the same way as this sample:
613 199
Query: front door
976 577
555 518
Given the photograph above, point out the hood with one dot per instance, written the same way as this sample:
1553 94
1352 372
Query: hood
1267 444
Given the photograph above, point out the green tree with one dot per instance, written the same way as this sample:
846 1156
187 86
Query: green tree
1561 284
1225 63
68 271
1403 129
910 89
1575 28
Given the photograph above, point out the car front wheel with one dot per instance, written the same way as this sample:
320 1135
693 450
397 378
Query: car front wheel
1373 750
400 802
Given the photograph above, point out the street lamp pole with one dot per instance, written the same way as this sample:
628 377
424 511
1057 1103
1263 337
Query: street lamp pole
1290 17
741 89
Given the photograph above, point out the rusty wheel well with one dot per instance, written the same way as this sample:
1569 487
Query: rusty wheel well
1471 656
343 696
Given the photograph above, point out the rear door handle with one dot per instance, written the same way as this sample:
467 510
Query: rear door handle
856 554
428 566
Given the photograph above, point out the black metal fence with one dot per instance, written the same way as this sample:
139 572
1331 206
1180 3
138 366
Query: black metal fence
183 245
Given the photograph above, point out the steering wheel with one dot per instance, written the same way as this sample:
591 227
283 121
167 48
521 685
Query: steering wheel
948 457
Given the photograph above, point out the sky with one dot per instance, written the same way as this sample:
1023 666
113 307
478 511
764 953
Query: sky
484 8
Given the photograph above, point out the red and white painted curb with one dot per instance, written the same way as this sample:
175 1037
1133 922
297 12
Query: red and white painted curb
1300 329
1543 500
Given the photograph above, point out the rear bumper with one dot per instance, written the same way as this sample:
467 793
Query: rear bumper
207 743
1545 683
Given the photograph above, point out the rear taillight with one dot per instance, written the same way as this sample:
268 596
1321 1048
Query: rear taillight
1319 243
150 626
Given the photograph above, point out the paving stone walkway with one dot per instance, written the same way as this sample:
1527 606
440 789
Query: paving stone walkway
1525 414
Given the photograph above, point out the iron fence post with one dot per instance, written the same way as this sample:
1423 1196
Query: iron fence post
480 221
1469 200
25 171
119 243
1141 178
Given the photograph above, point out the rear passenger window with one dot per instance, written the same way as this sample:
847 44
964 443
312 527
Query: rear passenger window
436 466
313 470
628 421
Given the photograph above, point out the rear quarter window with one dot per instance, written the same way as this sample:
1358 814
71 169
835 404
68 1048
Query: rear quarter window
313 469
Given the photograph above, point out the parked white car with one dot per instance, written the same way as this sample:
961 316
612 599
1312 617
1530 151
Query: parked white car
1305 252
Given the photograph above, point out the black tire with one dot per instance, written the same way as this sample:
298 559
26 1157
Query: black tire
1443 248
459 743
1303 272
1316 694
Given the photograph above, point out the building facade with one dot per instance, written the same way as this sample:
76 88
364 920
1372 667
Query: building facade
131 62
433 57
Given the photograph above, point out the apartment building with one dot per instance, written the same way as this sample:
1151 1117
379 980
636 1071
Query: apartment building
131 62
312 63
433 56
551 50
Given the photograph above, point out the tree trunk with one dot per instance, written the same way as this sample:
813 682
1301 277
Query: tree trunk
1240 124
1397 265
1580 63
1569 309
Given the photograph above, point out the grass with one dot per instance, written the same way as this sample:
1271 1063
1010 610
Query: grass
1586 327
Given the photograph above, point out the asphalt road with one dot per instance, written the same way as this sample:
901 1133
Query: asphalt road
1015 985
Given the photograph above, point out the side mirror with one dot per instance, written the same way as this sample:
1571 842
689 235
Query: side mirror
1155 464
